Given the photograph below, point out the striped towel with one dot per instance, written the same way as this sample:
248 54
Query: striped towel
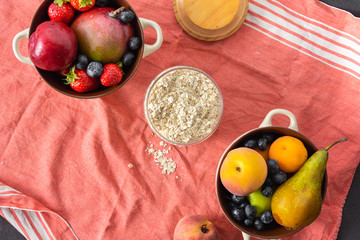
30 218
315 38
70 157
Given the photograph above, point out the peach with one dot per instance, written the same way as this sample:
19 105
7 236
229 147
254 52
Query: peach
243 171
195 227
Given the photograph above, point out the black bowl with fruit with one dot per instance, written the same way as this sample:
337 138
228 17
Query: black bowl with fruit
84 40
238 209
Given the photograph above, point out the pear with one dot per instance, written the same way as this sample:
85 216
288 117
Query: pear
297 202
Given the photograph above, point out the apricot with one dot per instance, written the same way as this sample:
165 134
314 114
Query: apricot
243 171
289 152
195 227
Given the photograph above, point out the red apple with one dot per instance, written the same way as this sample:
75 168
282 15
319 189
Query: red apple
53 46
195 227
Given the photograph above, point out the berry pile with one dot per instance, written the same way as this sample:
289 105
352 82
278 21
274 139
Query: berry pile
85 74
240 207
261 143
243 212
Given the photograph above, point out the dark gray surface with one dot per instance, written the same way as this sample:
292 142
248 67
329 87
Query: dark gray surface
350 226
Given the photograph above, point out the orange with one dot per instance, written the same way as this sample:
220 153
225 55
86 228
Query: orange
289 152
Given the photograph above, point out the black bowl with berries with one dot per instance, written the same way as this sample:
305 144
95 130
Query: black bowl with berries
239 210
105 53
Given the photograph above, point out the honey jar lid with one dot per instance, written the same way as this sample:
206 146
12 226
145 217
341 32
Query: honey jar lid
210 20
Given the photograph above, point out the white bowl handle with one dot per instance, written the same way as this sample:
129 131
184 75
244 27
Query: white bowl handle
15 45
247 237
145 23
267 120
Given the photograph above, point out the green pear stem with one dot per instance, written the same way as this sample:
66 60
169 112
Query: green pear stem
341 140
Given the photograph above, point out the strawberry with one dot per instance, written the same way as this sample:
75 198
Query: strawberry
112 75
82 5
61 11
80 81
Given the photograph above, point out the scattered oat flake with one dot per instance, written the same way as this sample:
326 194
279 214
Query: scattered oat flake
167 165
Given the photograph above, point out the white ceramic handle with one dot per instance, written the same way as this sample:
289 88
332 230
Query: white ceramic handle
247 237
149 49
267 120
15 45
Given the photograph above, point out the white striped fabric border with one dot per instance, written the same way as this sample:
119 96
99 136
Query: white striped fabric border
333 47
30 223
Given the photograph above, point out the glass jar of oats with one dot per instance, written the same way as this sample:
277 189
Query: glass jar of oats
183 105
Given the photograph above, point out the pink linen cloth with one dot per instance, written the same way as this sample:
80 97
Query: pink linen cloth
64 162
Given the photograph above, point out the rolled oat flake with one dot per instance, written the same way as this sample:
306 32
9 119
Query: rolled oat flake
184 106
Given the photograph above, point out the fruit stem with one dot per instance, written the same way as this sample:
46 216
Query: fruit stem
115 14
341 140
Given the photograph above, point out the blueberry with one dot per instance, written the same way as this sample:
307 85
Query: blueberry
267 191
94 69
238 214
102 3
258 224
81 62
269 137
248 222
238 199
232 205
262 144
127 16
279 177
273 166
134 43
250 143
250 211
244 204
268 181
128 59
266 217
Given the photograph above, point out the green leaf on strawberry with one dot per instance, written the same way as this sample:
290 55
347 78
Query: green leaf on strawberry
71 76
60 2
121 65
82 5
80 81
